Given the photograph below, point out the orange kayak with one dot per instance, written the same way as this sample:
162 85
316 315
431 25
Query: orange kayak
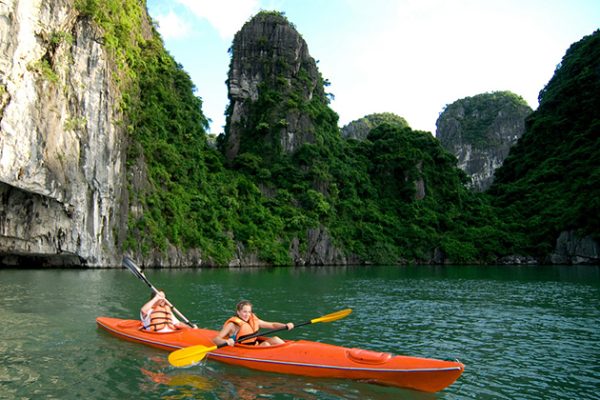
303 357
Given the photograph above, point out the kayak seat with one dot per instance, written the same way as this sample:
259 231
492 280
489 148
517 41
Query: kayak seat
367 356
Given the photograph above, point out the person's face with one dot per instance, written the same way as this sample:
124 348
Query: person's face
245 312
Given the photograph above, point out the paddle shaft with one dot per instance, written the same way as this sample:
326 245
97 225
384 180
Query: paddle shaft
265 333
134 269
326 318
257 334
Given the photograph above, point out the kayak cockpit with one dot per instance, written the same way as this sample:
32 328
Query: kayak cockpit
367 356
135 324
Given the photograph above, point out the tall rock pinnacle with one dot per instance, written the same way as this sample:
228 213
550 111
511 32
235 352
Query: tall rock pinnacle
275 90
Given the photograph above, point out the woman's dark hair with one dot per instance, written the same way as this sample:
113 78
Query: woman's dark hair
241 305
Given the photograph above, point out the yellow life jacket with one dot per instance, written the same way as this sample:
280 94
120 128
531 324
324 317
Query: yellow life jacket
160 318
245 327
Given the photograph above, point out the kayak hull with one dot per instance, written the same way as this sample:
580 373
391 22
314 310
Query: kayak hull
303 357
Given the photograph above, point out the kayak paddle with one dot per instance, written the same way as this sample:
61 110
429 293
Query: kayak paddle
137 271
194 354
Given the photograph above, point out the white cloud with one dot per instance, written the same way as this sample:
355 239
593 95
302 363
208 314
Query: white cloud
171 26
410 57
423 57
227 16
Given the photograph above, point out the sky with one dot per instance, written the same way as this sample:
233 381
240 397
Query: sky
407 57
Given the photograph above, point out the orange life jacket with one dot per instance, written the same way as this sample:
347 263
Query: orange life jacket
160 318
245 328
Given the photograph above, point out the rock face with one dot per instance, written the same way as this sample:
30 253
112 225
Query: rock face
573 249
271 77
480 131
320 250
61 154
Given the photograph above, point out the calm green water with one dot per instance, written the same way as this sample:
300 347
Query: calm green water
522 332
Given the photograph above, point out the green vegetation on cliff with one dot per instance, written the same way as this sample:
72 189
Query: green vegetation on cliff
395 197
476 115
175 180
360 128
401 196
363 193
551 180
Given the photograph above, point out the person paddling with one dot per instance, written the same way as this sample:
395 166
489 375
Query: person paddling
157 315
245 323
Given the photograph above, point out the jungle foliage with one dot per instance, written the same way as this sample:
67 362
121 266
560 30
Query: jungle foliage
395 197
487 107
551 180
360 128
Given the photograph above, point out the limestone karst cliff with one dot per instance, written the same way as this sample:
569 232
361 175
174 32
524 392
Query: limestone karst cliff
274 87
103 152
61 153
480 131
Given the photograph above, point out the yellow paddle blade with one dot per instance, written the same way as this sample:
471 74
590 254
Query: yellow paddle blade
189 355
333 316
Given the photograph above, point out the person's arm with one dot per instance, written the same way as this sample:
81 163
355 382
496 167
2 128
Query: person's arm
176 321
226 332
275 325
146 318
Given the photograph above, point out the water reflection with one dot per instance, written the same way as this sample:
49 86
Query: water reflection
230 383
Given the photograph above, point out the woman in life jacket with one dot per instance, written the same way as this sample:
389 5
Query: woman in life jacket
245 323
157 315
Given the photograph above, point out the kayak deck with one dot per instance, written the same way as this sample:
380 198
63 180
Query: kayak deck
302 357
